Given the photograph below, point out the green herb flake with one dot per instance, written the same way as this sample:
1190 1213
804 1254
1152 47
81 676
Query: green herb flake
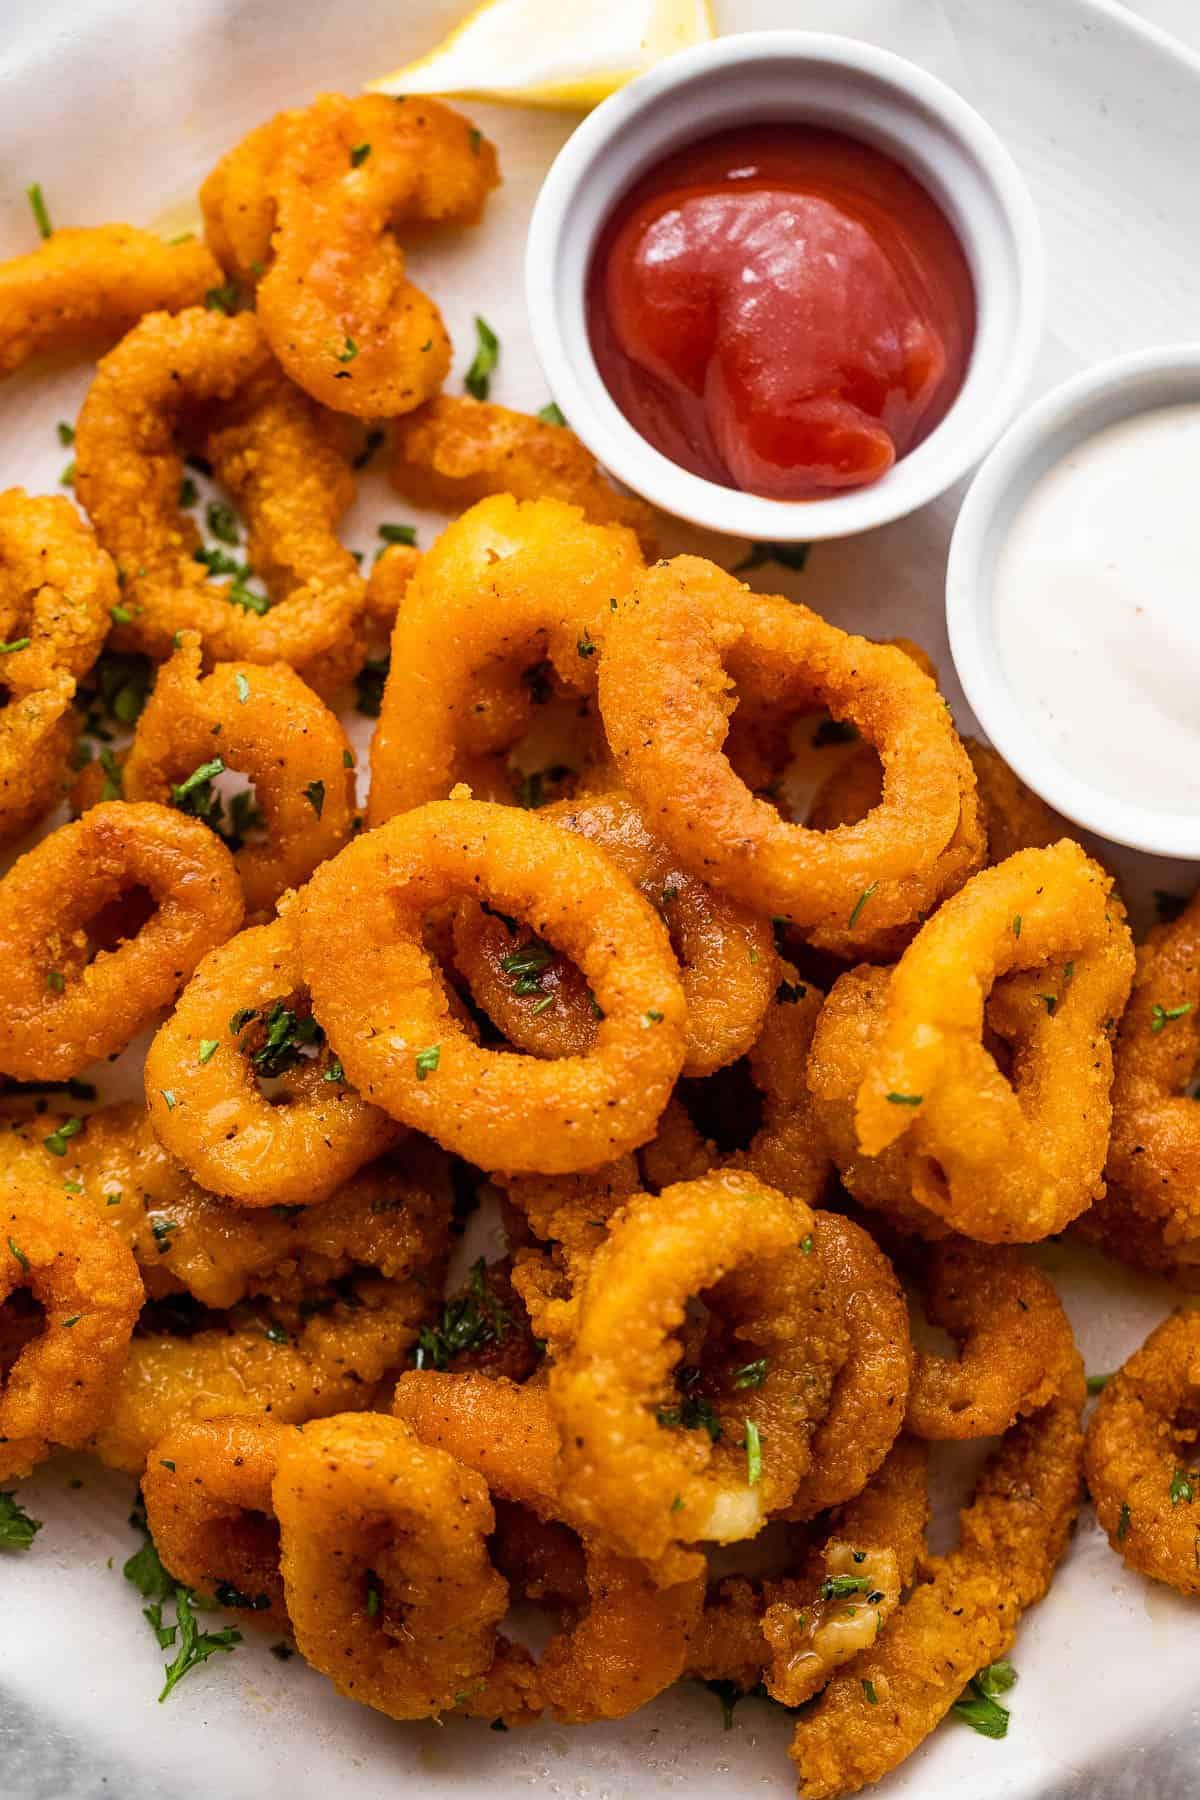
469 1321
335 1072
1123 1522
1016 925
651 1017
314 793
1162 1016
222 299
41 214
66 434
868 1688
207 1049
551 414
222 521
169 1096
398 534
859 904
427 1060
242 687
359 154
348 351
195 1647
905 1099
19 1254
17 1529
15 644
189 493
55 981
1096 1384
753 1454
369 685
751 1374
1180 1489
56 1143
487 355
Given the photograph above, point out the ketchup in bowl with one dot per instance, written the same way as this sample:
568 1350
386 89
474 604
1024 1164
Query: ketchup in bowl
781 309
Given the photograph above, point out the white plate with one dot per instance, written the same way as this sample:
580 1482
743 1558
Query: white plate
118 108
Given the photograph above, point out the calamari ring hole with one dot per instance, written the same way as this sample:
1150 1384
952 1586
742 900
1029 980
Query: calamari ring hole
116 921
208 514
786 757
558 743
22 1317
726 1108
955 1466
222 798
713 1368
282 1044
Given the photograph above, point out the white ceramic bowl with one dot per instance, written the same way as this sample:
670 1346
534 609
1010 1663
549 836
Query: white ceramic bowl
1045 434
773 76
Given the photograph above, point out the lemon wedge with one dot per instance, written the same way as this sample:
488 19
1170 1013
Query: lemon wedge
547 53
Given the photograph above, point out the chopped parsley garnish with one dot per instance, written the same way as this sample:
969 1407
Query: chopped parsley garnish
692 1413
219 562
1050 1002
1123 1522
1096 1384
41 214
242 687
753 1441
905 1099
241 1019
348 351
314 793
66 434
240 595
834 731
468 1322
374 1595
207 1050
195 1647
56 1143
427 1060
728 1693
162 1229
195 795
526 965
487 355
788 992
859 904
168 1095
222 299
17 1529
551 414
868 1688
587 645
359 154
1016 925
334 1072
806 1245
1162 1016
979 1707
652 1017
475 139
19 1254
275 1334
369 684
789 556
222 521
15 644
225 1594
189 493
286 1036
398 534
120 615
838 1587
56 981
1179 1490
531 789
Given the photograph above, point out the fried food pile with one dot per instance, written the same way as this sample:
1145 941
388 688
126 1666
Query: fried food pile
740 1083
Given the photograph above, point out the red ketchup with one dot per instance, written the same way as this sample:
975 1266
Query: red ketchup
781 309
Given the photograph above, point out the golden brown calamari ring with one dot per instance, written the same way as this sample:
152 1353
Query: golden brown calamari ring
455 451
381 999
60 1011
89 286
386 1572
293 1362
887 1700
1005 1159
508 586
86 1283
282 466
299 206
265 723
1140 1456
677 645
207 1490
727 956
642 1466
241 1020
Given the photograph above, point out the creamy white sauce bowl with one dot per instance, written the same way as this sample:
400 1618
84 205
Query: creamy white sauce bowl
815 79
1014 481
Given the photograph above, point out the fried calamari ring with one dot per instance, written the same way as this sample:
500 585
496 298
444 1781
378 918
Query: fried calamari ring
644 1468
788 1149
300 200
86 1282
866 1409
883 1704
58 1010
572 1213
387 584
676 647
844 1043
1154 1155
793 1632
507 587
290 1362
392 1216
207 1490
628 1635
1005 1159
386 1573
282 467
727 956
57 589
243 1020
270 727
89 286
455 451
379 995
1015 1342
1140 1455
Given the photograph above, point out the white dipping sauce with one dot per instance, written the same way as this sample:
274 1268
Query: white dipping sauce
1096 608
